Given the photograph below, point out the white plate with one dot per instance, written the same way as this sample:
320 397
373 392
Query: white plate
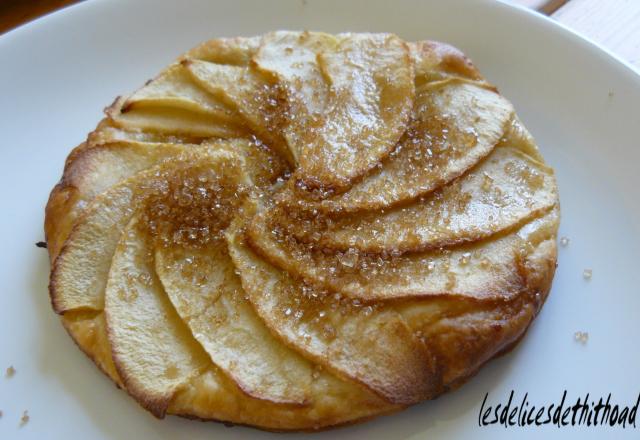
581 104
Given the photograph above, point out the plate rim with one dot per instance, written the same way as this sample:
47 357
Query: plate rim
531 14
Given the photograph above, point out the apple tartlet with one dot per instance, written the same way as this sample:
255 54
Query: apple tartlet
302 230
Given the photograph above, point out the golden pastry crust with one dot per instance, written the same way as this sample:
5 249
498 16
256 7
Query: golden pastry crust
301 230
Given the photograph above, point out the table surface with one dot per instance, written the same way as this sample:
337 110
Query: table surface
615 24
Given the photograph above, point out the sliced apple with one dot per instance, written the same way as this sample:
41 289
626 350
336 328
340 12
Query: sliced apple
169 120
108 131
206 292
153 350
91 172
519 137
457 124
487 269
235 86
175 87
506 190
350 99
236 51
98 168
434 61
253 97
292 58
79 273
371 345
464 334
173 103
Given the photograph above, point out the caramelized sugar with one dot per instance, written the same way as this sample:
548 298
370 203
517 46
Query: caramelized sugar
454 125
189 205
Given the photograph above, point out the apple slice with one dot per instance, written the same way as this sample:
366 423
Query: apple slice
249 94
153 350
371 345
107 131
170 120
483 270
350 98
237 87
236 51
435 60
507 189
464 334
173 103
79 273
91 171
291 58
203 287
458 122
175 88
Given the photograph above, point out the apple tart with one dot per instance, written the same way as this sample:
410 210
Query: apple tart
302 230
